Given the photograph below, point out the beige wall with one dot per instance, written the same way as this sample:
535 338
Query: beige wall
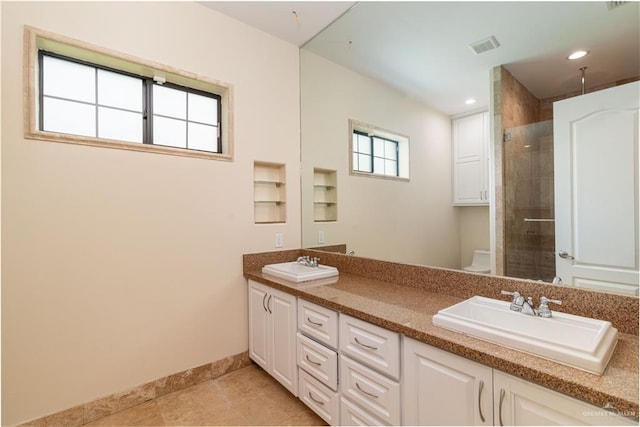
121 267
474 231
412 222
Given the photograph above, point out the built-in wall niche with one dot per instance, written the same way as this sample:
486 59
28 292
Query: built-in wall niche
269 193
325 195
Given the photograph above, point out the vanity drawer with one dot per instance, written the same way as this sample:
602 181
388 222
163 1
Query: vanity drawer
318 360
371 391
372 345
318 397
352 415
318 322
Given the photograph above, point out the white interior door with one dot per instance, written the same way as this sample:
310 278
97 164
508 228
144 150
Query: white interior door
596 189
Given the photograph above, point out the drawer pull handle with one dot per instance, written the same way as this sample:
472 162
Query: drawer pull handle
312 361
364 345
480 400
366 392
313 323
315 400
502 393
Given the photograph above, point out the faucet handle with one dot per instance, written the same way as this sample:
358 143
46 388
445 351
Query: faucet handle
515 294
516 302
543 310
545 301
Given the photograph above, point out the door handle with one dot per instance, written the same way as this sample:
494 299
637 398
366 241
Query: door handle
502 393
314 323
370 347
268 303
565 255
480 400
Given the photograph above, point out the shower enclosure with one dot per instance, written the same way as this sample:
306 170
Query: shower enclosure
528 193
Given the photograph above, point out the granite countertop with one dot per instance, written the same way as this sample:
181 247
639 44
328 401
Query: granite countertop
409 311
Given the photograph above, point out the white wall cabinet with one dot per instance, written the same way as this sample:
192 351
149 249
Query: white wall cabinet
440 388
471 160
518 402
272 333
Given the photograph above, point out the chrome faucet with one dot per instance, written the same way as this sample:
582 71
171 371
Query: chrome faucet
519 304
308 261
529 308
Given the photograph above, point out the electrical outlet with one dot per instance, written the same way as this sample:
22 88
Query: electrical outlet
320 237
279 240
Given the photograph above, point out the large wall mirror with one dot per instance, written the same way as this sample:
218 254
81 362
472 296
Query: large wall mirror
409 67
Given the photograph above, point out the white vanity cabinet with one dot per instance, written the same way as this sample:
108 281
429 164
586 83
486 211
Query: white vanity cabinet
317 342
369 373
471 160
440 388
272 333
518 402
351 372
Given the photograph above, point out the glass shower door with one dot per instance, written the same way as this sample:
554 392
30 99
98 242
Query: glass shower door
528 194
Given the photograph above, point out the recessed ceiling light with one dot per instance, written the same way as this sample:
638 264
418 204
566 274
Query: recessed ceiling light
470 101
577 54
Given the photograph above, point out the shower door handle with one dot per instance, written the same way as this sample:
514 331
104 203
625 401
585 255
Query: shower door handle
565 255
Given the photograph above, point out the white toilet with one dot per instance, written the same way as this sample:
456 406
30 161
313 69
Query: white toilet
481 262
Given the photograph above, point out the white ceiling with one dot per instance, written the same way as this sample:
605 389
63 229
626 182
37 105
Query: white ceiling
422 48
278 19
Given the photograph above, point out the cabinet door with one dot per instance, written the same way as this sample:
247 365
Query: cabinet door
373 392
259 325
282 308
319 323
322 400
352 415
371 345
471 160
440 388
518 402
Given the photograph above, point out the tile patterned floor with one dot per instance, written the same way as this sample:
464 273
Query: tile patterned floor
248 396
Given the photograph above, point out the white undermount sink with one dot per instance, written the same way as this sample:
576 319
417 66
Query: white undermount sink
575 341
297 272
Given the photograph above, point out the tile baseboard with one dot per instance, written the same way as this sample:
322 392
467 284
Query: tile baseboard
116 402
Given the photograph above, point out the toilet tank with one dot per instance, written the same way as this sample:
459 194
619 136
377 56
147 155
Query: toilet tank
481 262
481 257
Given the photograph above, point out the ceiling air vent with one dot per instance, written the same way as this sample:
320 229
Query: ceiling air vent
484 45
613 4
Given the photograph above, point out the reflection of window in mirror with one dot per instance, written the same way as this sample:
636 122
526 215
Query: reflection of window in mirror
377 152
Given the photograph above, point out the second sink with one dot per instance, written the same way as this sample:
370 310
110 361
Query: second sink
576 341
296 272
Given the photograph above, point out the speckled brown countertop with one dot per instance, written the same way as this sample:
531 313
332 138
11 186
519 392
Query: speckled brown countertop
409 311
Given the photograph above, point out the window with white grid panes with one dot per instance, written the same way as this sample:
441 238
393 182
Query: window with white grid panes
83 99
376 152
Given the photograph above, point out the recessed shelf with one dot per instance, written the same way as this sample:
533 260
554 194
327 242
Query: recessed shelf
276 183
269 195
277 202
325 195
